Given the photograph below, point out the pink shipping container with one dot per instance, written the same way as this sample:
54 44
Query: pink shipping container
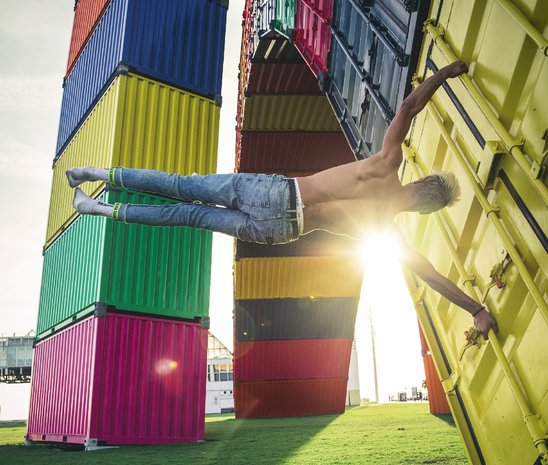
292 359
87 14
120 379
313 32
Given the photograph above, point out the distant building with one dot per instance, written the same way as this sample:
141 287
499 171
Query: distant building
220 377
16 358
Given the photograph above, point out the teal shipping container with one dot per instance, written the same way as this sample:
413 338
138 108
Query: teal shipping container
161 271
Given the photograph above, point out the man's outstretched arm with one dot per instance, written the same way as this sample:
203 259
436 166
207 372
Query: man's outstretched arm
410 107
483 320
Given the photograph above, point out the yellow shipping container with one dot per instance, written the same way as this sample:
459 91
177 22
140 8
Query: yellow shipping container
297 277
137 123
288 113
488 127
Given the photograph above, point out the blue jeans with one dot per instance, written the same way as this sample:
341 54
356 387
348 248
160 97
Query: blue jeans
252 207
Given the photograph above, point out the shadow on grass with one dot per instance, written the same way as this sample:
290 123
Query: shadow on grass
228 441
258 441
446 417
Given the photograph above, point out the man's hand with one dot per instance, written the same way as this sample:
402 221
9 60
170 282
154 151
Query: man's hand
484 321
455 69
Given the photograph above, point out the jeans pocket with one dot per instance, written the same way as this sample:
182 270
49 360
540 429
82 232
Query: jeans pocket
254 190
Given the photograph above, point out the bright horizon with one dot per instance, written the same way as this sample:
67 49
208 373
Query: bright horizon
33 63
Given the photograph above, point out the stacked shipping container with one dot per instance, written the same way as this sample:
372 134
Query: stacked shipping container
295 304
141 91
361 56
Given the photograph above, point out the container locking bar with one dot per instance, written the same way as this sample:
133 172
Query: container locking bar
512 145
395 49
386 111
492 214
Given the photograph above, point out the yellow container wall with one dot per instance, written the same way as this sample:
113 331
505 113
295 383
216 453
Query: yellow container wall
138 123
297 277
504 96
288 113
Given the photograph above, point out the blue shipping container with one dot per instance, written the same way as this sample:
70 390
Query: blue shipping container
180 43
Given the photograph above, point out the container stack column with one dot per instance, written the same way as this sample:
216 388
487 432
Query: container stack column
295 304
123 315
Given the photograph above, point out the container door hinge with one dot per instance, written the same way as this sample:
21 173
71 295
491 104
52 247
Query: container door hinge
449 384
539 434
538 167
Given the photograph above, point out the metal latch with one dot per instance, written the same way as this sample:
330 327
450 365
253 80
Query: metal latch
472 340
449 384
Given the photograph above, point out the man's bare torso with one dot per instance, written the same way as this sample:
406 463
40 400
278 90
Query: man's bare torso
352 198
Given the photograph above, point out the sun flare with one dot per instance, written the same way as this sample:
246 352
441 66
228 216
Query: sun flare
386 298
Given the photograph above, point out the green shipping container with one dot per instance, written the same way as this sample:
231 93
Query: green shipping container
161 271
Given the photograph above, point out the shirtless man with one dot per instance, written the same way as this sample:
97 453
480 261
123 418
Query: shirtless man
348 199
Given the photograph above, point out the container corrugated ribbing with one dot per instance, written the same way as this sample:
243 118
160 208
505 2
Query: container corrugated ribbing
163 271
281 79
264 399
313 32
287 319
87 14
297 277
120 379
180 43
138 123
319 243
276 15
287 113
291 359
293 153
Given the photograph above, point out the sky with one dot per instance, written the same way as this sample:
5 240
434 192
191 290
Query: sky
34 43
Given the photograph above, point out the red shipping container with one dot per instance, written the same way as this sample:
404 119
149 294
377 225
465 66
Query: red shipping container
436 395
291 359
281 79
87 14
313 32
292 153
290 398
120 379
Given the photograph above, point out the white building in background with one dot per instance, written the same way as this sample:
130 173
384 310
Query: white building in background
353 387
220 377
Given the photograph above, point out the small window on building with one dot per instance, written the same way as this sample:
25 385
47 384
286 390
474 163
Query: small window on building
220 372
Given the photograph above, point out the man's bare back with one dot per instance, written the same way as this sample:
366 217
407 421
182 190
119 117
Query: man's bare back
352 198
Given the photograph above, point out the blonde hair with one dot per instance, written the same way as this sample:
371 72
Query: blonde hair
436 191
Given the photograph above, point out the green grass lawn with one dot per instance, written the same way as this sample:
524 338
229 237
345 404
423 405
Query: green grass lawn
368 435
